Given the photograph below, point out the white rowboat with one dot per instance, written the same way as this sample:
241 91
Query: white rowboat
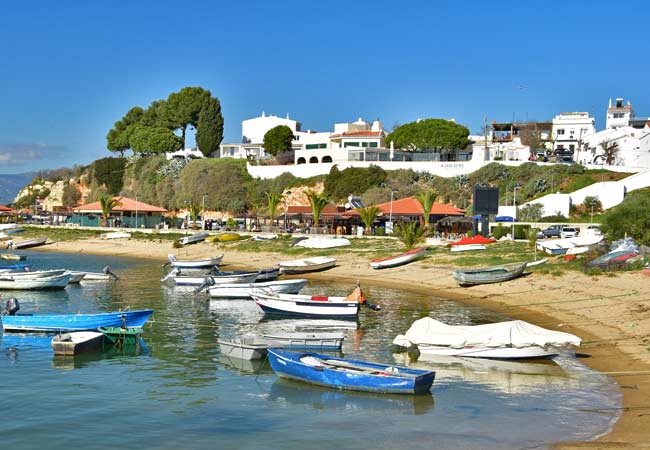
306 305
242 290
305 265
201 263
467 248
398 260
56 282
115 235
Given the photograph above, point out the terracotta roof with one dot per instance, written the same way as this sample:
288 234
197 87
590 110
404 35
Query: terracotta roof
358 134
6 209
411 207
126 205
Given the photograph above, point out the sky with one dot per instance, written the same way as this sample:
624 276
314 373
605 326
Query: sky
70 69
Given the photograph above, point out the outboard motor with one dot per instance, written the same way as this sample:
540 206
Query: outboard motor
11 307
207 281
107 271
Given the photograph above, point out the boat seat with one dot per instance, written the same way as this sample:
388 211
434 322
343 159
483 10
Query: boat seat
318 298
312 361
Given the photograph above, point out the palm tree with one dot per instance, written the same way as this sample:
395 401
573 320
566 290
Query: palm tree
195 211
107 202
368 216
426 199
610 152
318 202
410 234
274 200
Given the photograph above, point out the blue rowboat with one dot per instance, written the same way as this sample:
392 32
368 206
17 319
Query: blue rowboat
16 266
74 322
350 374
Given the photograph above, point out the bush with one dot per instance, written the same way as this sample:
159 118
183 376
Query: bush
631 218
353 180
110 173
521 231
380 231
500 231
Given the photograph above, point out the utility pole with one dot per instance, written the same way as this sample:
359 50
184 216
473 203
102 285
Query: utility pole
486 157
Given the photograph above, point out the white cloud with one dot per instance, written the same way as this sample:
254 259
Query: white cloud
20 153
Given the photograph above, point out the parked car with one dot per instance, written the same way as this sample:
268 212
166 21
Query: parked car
594 230
552 231
569 232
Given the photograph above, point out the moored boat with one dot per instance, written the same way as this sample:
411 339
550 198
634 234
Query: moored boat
73 322
200 263
323 242
28 243
121 336
20 283
515 339
12 256
267 274
350 374
77 342
467 248
496 274
193 238
253 346
214 278
115 235
245 290
398 260
306 265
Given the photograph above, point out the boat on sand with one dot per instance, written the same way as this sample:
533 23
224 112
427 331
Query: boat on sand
305 265
398 260
495 274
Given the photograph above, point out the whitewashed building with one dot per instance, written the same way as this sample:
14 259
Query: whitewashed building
569 128
618 114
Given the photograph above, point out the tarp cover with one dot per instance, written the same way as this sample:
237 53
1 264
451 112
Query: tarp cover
473 240
516 333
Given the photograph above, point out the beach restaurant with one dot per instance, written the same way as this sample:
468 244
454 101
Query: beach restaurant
128 213
409 209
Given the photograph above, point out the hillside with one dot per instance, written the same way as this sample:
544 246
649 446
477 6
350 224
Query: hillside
10 185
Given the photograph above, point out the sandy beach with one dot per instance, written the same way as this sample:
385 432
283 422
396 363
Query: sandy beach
610 313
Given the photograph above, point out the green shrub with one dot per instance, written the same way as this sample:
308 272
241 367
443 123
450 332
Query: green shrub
109 172
500 231
353 180
521 231
380 231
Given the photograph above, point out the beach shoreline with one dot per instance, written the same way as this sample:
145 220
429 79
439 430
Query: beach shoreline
610 313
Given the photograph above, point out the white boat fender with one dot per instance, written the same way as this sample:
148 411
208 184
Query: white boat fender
312 362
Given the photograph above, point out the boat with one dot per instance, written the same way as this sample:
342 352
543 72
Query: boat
33 274
473 240
323 242
495 274
121 336
467 248
570 246
264 237
245 290
253 346
115 235
398 260
268 274
77 342
515 339
612 259
105 275
74 322
28 243
12 256
538 262
76 277
213 278
305 265
201 263
18 283
21 266
310 306
350 374
193 238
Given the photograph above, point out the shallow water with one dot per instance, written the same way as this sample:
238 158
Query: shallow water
180 393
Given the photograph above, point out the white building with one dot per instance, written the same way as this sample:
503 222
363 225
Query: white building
633 146
619 115
569 128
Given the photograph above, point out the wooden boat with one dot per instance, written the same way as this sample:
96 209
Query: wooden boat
514 339
467 248
19 283
350 374
201 263
115 235
121 336
245 290
77 342
21 266
305 265
612 259
193 238
536 263
74 322
497 274
215 278
33 274
105 275
267 274
398 260
29 243
252 346
12 256
322 242
309 306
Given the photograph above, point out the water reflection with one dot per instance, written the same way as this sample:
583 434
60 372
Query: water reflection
294 393
245 366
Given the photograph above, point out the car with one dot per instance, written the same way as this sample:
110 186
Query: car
569 232
552 231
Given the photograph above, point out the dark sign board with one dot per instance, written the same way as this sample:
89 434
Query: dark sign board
486 200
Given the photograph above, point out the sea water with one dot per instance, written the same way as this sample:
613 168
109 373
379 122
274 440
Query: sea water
179 392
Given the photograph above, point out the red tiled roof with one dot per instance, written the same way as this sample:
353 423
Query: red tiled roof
6 209
126 205
358 134
411 207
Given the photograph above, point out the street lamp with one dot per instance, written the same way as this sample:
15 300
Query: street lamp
390 216
136 211
514 203
286 209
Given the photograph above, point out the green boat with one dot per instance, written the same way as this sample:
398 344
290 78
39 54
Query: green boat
121 337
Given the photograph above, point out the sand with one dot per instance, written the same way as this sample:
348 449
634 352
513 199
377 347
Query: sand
610 313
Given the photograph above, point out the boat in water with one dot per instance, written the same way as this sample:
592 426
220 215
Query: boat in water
73 322
398 260
211 279
495 274
269 274
77 342
7 281
12 257
199 263
245 290
255 346
306 265
515 339
341 373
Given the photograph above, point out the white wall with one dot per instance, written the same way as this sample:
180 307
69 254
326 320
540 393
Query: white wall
554 203
610 193
253 130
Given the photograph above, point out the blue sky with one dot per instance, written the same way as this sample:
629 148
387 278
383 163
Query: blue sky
71 69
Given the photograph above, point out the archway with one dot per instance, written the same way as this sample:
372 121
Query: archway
313 160
327 159
301 161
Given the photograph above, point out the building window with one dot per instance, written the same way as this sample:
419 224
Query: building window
322 145
351 144
315 146
373 144
560 131
572 147
618 115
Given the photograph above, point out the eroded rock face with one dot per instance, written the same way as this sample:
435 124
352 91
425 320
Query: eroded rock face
54 190
298 196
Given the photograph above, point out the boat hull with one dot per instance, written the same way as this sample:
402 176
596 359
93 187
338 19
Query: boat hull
248 277
204 263
370 377
268 275
398 260
307 265
55 282
30 243
488 275
246 290
73 322
77 342
302 306
532 352
121 337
